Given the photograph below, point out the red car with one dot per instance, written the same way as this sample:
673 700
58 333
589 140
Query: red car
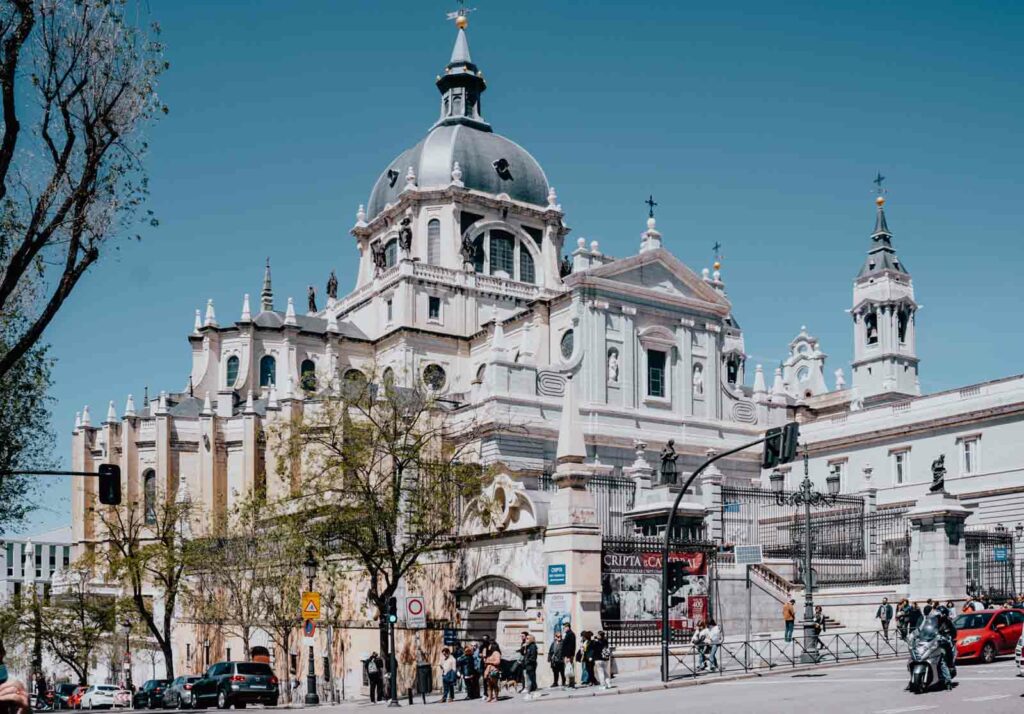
987 633
75 700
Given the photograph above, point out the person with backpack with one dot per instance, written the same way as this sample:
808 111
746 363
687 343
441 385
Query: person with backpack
556 660
599 653
375 677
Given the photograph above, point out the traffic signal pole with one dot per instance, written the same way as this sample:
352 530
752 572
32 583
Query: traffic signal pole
109 476
665 631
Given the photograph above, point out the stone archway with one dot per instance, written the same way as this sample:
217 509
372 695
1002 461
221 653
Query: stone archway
492 599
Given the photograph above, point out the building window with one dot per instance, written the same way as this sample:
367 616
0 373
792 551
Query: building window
837 474
434 242
970 456
188 651
526 271
38 557
232 371
268 371
389 311
149 496
388 378
391 252
10 560
655 373
67 557
567 344
434 308
434 377
871 328
228 650
900 467
481 373
501 253
307 375
53 558
503 250
902 320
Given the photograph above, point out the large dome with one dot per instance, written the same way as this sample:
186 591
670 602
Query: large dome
480 155
489 162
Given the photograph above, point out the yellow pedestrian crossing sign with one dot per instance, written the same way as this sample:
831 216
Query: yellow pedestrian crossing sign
310 605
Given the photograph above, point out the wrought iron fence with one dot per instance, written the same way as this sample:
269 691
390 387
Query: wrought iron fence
990 563
614 496
868 548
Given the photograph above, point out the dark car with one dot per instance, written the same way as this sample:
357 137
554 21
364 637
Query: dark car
179 693
150 694
62 693
238 683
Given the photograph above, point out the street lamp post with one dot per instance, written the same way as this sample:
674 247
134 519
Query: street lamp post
807 497
127 627
206 653
310 567
1019 532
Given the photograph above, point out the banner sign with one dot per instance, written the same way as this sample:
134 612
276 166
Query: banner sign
631 590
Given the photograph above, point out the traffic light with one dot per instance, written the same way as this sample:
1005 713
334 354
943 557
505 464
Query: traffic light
677 572
780 445
393 610
110 484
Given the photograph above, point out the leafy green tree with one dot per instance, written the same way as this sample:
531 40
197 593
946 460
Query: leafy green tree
77 85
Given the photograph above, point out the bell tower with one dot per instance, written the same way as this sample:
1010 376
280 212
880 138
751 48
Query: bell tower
885 364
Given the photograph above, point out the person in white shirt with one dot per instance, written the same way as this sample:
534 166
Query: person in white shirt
448 675
716 637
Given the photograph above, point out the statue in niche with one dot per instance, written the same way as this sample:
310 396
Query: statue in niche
564 267
613 365
698 380
938 475
468 250
668 462
405 234
380 259
311 298
332 286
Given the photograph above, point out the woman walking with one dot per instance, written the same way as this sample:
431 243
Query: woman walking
492 672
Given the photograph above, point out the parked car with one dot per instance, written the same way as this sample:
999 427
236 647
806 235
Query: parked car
986 634
151 694
122 698
1017 654
76 697
238 683
61 694
99 696
178 694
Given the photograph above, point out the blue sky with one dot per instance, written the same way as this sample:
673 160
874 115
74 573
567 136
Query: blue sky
759 125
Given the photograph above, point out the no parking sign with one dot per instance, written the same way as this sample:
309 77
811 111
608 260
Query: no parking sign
415 612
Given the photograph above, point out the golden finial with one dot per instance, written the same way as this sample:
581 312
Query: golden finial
462 22
880 201
461 15
717 265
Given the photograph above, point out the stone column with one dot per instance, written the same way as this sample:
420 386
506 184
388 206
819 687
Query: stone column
937 551
640 471
711 496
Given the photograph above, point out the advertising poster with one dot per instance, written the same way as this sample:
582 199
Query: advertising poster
631 590
558 609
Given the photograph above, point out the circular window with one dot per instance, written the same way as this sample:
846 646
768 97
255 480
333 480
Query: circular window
434 377
803 374
803 349
567 344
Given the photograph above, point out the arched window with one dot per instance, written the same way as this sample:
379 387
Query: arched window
232 371
391 252
434 242
149 496
902 320
499 252
871 328
481 372
307 375
268 371
388 378
353 383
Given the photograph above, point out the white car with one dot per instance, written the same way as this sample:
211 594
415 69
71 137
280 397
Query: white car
99 695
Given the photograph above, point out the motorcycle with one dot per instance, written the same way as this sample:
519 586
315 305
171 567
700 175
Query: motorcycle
926 653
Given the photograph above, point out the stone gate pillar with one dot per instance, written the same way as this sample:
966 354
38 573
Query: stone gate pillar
938 566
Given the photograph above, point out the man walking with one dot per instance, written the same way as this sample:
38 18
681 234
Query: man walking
789 618
884 613
569 656
557 660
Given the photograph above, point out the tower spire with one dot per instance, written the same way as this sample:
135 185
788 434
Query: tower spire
881 256
267 294
462 82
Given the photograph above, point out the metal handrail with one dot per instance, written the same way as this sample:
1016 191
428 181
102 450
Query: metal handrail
772 652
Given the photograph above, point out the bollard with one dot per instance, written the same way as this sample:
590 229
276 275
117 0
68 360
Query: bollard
410 696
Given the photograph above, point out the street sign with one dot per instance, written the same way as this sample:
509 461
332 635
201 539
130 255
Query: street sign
310 605
415 612
309 628
749 554
1001 555
556 574
451 638
731 507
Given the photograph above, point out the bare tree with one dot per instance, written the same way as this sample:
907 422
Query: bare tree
77 84
76 622
147 548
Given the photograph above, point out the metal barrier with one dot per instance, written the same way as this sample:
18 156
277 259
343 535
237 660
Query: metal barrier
774 652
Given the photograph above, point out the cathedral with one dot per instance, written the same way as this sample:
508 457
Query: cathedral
468 283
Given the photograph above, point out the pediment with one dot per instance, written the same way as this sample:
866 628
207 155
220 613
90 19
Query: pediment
655 273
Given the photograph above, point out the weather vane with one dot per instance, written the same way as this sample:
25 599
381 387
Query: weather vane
878 180
651 203
461 21
717 250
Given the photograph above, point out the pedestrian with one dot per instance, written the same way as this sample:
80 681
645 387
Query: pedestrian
492 672
584 657
789 618
902 612
569 655
520 664
469 672
951 606
449 674
424 674
699 643
600 652
884 613
819 625
716 636
556 660
375 676
530 667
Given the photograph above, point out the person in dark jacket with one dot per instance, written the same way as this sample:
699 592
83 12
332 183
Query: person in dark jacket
530 667
587 656
884 614
556 660
375 677
569 655
599 653
467 664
